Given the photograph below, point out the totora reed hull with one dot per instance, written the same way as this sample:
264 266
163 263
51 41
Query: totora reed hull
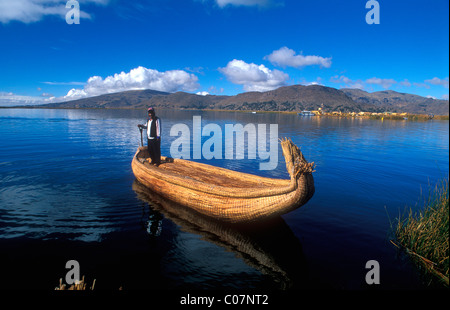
224 194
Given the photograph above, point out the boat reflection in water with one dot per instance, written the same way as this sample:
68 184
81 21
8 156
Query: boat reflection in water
268 246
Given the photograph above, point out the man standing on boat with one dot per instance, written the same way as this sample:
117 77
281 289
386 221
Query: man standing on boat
153 127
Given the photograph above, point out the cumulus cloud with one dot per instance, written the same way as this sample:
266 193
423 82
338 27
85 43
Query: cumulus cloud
385 83
438 81
286 57
260 3
138 78
405 83
29 11
253 77
360 84
318 81
8 99
64 83
347 82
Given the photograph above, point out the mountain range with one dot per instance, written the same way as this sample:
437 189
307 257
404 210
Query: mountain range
286 98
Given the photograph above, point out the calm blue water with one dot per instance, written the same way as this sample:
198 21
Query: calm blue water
68 192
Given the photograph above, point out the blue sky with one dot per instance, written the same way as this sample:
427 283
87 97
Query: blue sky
220 47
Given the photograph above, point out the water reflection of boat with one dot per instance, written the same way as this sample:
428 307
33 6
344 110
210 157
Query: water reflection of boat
268 246
225 194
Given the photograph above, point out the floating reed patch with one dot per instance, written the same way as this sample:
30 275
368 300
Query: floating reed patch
425 234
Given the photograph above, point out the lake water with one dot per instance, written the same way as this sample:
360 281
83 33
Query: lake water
68 193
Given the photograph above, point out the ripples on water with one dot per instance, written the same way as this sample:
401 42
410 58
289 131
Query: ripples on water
59 176
67 189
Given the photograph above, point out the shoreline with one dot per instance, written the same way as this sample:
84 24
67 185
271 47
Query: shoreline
379 116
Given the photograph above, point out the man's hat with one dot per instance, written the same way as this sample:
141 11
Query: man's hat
150 110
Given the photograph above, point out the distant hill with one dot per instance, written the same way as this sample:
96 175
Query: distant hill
126 99
287 98
395 102
293 98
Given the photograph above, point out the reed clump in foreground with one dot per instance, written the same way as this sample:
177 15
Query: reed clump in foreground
78 286
425 234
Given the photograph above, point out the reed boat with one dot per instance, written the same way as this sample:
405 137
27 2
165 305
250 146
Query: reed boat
228 195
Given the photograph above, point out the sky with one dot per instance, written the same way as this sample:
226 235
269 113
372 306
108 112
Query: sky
220 47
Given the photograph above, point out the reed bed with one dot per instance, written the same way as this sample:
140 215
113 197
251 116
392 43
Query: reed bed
78 286
424 234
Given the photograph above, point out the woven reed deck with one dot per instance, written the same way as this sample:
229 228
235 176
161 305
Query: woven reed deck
218 178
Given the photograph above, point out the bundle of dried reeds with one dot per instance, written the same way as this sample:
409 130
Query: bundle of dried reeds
78 286
295 161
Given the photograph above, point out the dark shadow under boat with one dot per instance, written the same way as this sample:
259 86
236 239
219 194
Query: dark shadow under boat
269 246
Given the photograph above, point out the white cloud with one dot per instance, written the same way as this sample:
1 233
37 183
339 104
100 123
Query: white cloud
260 3
253 77
305 82
385 83
360 84
138 78
347 82
8 99
202 93
405 83
286 57
438 81
64 83
29 11
422 85
74 94
213 89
